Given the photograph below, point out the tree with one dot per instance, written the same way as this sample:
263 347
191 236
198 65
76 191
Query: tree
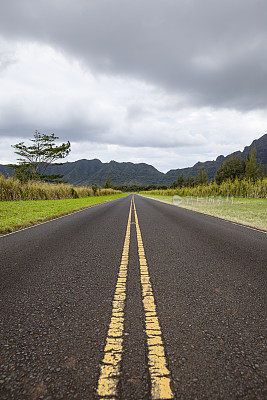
95 189
180 181
202 177
108 183
232 168
35 159
253 171
190 181
22 172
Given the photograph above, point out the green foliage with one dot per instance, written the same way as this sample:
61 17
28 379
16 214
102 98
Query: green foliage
95 188
108 183
74 193
23 173
253 171
13 189
202 177
237 168
232 168
236 188
35 159
190 181
179 182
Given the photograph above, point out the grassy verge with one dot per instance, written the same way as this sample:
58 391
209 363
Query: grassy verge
251 212
15 215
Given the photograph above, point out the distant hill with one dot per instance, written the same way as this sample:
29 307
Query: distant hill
212 166
87 172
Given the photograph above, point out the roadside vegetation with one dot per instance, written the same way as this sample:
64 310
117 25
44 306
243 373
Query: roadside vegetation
33 195
31 180
13 189
238 188
235 178
238 192
15 215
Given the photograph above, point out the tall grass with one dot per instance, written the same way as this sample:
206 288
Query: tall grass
12 189
237 188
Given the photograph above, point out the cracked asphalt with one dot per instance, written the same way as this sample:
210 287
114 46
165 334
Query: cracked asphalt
57 283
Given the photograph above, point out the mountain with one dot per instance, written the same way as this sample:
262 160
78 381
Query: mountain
212 166
94 171
87 172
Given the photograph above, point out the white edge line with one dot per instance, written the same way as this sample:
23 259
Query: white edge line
209 215
62 216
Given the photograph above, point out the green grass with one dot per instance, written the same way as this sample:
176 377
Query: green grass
251 212
15 215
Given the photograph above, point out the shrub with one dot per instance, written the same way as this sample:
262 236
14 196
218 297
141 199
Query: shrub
13 189
236 188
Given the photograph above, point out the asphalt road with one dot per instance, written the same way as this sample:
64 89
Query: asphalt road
72 286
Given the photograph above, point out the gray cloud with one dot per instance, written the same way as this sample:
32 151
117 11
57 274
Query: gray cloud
212 52
162 81
75 129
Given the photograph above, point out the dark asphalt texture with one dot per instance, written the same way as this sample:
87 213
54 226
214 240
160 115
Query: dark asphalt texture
57 283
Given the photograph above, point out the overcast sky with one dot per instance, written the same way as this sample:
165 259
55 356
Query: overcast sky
167 82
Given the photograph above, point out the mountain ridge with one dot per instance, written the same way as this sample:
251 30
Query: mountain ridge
88 172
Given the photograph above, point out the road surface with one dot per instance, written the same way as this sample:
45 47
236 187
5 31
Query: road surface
133 299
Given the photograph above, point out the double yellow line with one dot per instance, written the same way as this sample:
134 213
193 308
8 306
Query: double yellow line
110 368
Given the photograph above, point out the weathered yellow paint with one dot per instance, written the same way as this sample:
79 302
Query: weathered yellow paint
107 387
108 371
154 340
111 358
113 344
159 373
110 368
160 388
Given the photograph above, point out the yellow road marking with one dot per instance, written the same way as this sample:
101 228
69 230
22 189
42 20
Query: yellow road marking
110 368
159 373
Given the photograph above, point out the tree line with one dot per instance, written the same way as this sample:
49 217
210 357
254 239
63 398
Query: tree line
234 167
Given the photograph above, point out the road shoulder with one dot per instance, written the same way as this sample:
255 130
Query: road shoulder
251 217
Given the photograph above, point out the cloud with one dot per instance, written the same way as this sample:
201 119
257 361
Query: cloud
161 81
213 52
77 106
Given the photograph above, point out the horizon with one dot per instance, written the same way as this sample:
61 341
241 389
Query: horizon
164 172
